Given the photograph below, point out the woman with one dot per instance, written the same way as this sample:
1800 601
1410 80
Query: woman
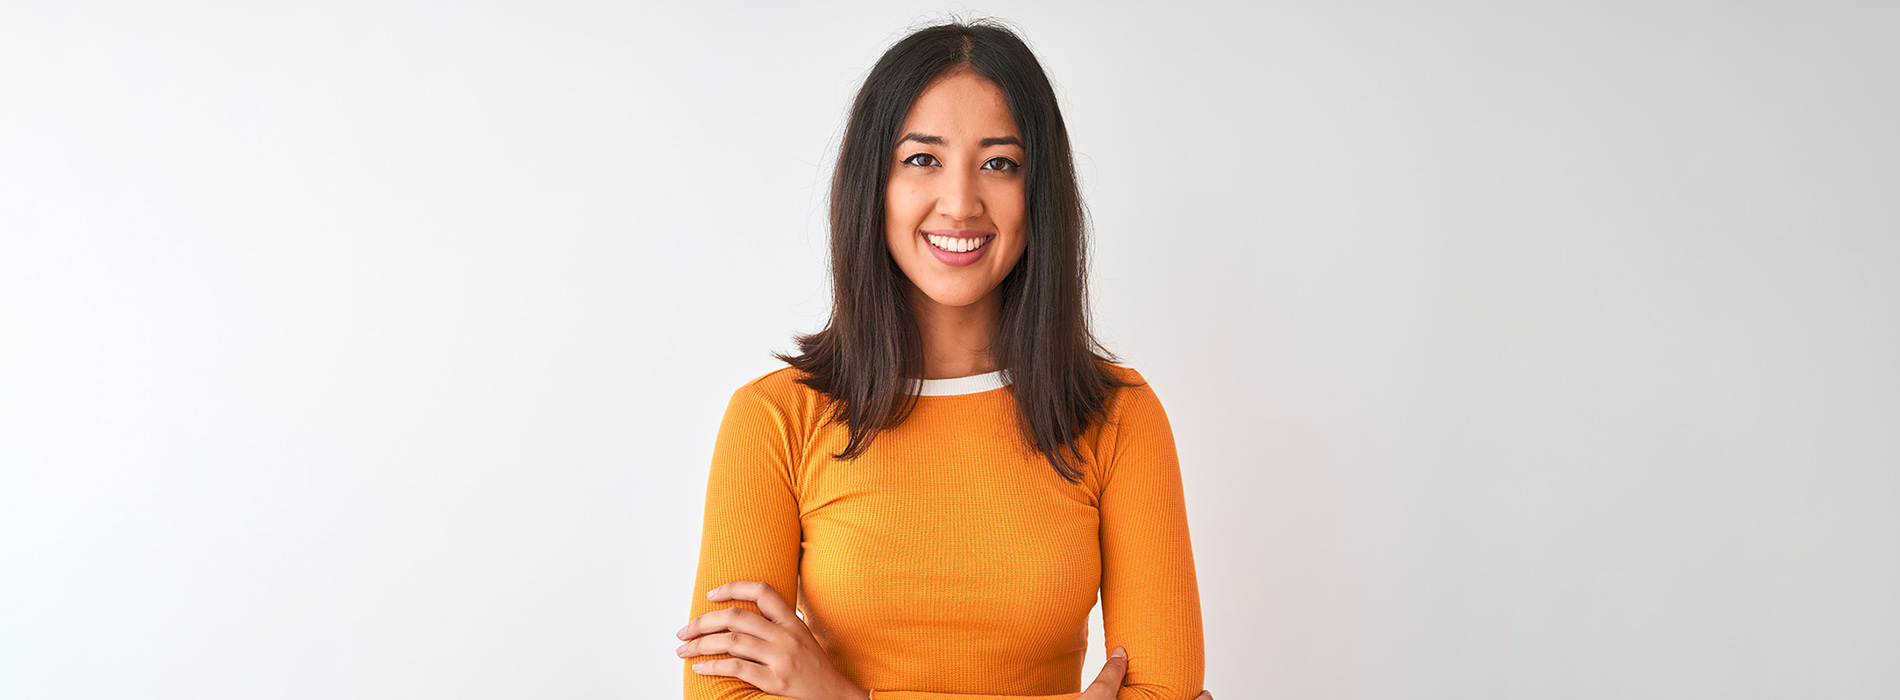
951 469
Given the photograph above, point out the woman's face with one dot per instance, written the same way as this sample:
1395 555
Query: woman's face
953 208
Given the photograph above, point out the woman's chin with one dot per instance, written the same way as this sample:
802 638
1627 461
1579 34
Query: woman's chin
955 298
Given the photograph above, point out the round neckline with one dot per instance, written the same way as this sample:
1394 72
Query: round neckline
957 386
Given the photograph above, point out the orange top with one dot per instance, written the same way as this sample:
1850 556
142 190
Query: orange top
950 561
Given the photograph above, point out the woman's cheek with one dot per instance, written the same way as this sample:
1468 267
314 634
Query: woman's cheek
900 206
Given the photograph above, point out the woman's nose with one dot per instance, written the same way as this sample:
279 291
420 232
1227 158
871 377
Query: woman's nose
959 199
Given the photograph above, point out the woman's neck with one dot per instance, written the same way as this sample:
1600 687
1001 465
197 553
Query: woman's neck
956 339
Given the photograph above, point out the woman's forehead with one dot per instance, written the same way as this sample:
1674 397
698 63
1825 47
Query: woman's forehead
961 106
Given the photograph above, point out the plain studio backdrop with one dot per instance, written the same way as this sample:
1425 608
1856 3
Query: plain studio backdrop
1513 350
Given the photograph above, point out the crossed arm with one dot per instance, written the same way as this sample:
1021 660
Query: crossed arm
776 653
751 541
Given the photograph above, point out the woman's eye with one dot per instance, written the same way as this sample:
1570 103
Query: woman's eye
1001 163
924 160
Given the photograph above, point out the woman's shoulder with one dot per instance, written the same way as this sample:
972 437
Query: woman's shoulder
1135 401
781 392
1135 384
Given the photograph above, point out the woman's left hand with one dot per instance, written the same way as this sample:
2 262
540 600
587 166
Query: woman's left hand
773 651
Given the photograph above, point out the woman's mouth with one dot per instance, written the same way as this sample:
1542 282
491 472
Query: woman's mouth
958 250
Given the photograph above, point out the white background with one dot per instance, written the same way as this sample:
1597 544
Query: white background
376 349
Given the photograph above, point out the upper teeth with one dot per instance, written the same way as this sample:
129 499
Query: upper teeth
956 245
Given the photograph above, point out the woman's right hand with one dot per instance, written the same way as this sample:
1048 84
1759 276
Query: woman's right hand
1110 679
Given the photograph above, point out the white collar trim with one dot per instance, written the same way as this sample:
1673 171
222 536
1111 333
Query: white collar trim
975 383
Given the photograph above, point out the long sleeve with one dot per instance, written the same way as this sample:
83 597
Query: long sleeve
751 530
947 562
1151 602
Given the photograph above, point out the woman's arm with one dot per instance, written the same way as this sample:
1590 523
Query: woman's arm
1151 603
751 530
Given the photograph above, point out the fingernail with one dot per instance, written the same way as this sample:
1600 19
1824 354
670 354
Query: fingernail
709 594
682 633
697 665
681 652
1118 654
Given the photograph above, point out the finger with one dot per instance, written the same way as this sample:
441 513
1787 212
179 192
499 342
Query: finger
737 668
771 604
733 619
1204 696
1110 678
744 646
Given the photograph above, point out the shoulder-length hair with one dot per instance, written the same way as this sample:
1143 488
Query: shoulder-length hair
866 358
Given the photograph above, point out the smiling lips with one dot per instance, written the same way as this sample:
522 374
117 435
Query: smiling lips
958 248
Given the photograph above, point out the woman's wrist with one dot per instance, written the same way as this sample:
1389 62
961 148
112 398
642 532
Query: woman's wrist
848 690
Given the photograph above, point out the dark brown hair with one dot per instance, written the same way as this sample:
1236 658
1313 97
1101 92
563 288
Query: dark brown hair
866 356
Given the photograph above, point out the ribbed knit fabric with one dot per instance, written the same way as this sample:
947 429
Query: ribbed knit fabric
950 561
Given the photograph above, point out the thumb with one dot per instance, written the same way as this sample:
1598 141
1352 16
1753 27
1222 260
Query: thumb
1110 679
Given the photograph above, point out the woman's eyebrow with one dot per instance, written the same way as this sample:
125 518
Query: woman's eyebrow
985 143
